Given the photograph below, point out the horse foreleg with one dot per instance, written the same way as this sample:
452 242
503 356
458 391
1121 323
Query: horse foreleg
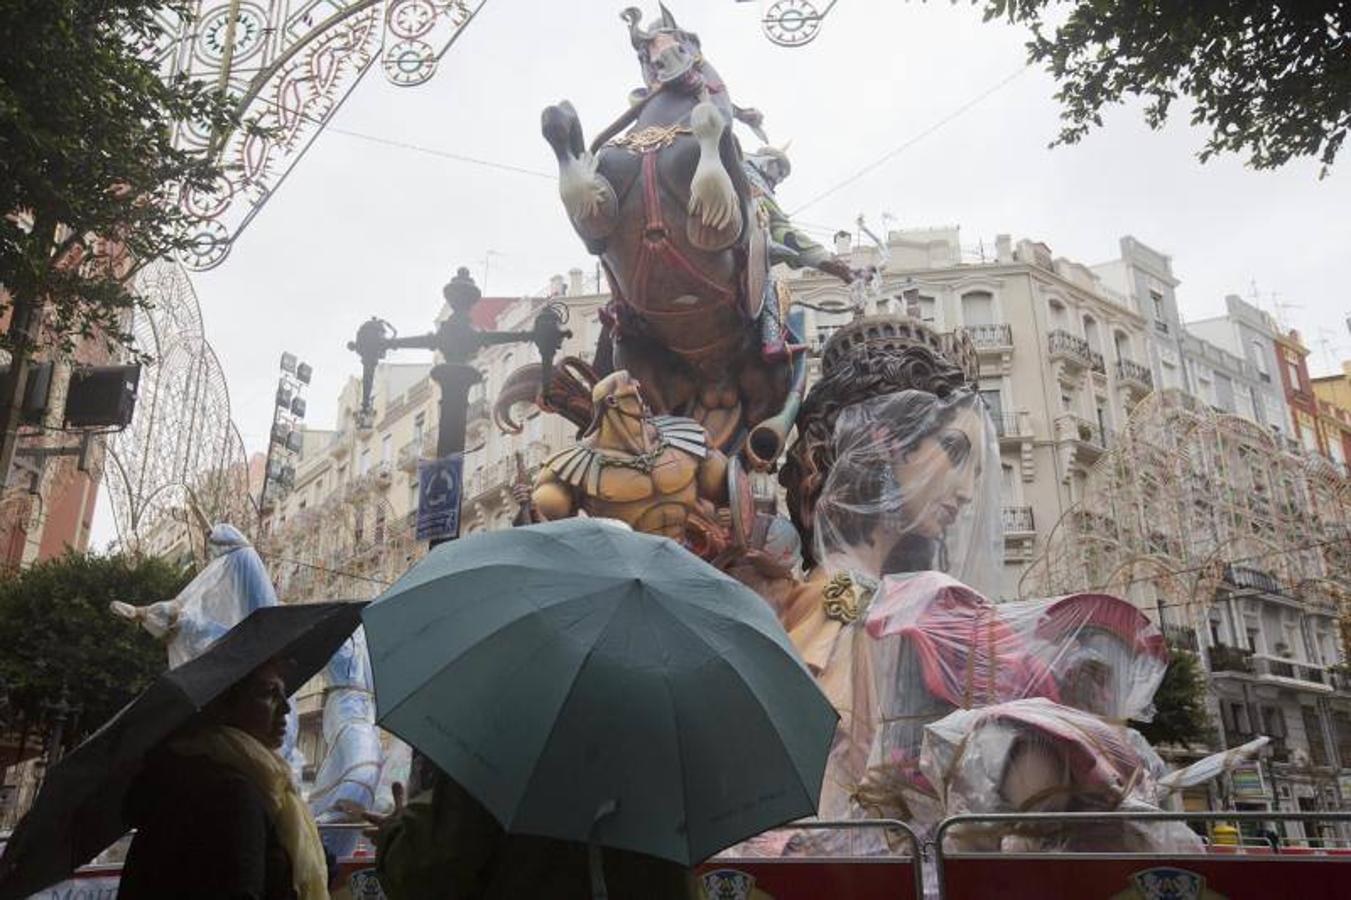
715 220
587 195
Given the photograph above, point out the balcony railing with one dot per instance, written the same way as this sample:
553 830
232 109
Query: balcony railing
1288 668
1224 658
1011 425
1132 373
991 337
1252 579
1063 345
410 453
1019 520
1077 428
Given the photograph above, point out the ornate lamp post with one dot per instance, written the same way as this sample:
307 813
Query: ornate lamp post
457 340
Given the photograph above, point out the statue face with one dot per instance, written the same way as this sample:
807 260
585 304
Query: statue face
671 59
909 489
938 476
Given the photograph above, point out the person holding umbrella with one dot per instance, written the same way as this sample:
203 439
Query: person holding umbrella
191 764
216 811
605 709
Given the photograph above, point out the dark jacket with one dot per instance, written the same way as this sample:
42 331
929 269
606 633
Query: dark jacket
202 831
446 846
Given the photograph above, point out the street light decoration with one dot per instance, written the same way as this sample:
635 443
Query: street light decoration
457 340
288 65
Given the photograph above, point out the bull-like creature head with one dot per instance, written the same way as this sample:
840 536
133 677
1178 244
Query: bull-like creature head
669 55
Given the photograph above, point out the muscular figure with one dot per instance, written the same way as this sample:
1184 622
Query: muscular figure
657 473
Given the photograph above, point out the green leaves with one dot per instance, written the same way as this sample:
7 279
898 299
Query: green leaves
87 154
1271 80
56 630
1180 715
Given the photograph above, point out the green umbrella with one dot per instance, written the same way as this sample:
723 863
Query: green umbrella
589 683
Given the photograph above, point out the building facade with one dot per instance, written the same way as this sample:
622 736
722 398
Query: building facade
1333 395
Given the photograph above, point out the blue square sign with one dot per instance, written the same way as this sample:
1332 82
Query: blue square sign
439 488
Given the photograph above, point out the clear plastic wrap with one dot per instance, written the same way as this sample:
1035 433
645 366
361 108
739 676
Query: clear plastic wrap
1035 755
233 584
350 771
914 486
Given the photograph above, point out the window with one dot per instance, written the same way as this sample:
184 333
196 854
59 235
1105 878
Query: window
1313 731
380 526
365 463
994 400
387 448
927 309
1156 303
419 425
977 308
1091 334
1123 346
1308 436
1259 360
1292 370
1059 319
359 529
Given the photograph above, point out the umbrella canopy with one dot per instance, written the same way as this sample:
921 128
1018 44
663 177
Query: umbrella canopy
588 683
78 812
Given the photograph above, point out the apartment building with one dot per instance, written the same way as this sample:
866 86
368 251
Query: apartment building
1233 375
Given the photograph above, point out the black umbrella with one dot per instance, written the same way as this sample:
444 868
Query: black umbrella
78 813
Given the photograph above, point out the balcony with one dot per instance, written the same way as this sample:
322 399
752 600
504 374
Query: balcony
1084 439
995 338
1253 580
1074 351
381 474
1290 669
1018 520
410 454
1012 426
1132 375
1224 658
1160 326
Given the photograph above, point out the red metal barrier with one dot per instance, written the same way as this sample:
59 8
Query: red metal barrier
1082 877
1223 873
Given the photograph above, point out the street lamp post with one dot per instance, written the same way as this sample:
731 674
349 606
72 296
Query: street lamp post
457 340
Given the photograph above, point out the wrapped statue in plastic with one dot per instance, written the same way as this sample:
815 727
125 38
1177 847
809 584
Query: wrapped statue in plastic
348 779
233 584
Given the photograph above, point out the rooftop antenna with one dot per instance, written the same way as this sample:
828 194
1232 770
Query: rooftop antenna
487 264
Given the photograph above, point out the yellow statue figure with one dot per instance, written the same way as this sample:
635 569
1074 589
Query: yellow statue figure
656 473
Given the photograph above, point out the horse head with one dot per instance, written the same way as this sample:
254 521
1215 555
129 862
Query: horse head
670 57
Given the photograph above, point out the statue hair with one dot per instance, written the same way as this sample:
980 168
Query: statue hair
868 372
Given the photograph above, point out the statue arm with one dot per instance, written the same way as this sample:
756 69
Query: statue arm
713 477
552 499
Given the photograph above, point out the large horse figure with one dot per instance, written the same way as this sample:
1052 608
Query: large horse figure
668 209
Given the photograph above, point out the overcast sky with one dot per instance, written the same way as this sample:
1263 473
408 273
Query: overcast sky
362 227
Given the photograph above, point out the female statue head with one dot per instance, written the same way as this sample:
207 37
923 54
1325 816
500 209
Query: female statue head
859 373
908 489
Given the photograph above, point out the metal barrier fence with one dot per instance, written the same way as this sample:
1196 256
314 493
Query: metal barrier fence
1221 872
1296 872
